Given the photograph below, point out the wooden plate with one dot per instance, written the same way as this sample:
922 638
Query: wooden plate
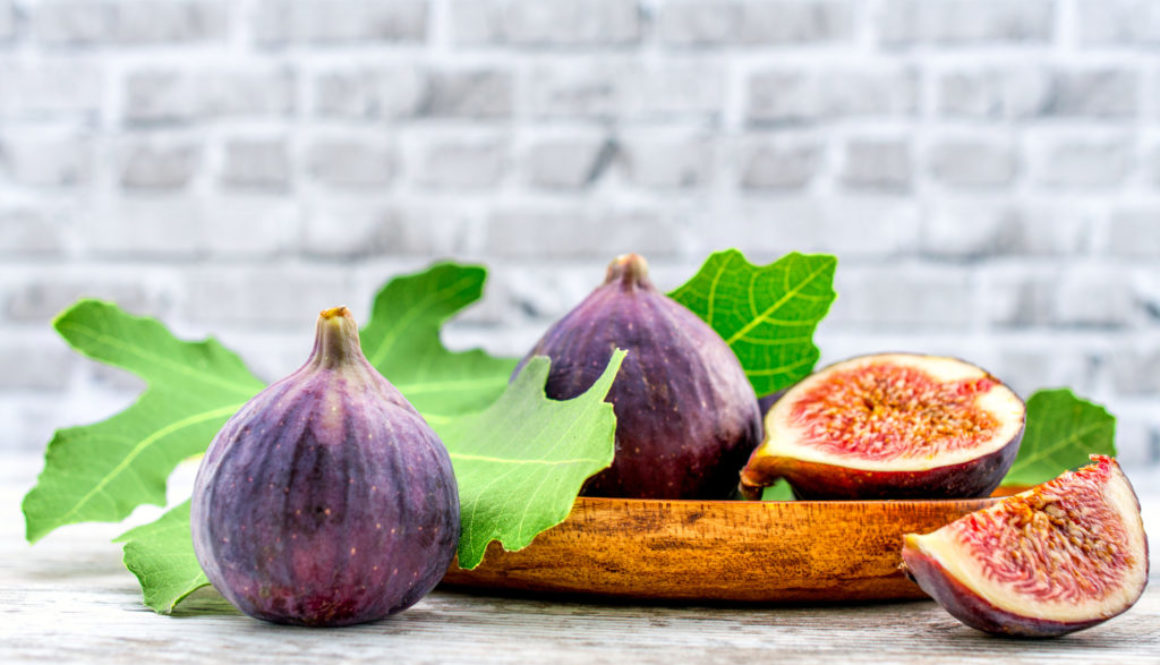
771 551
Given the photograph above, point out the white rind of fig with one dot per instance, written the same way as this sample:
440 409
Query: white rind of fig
966 578
929 468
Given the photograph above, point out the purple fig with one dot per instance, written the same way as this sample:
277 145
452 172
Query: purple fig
326 500
686 415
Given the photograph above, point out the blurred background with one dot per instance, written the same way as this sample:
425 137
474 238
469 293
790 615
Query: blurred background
988 173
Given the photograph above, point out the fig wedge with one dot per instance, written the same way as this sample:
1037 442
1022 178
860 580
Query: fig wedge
1061 557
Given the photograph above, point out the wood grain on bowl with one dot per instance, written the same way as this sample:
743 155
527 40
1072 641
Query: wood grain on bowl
768 551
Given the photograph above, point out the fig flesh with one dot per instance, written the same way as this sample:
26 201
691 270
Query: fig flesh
326 500
687 416
890 426
1061 557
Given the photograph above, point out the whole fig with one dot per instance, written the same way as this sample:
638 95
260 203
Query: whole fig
326 500
686 415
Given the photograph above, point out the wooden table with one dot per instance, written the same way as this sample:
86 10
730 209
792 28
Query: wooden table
68 599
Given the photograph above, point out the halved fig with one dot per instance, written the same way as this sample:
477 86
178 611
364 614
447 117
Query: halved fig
1061 557
890 426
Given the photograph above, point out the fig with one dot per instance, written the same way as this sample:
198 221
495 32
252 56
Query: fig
326 500
686 414
1058 558
890 426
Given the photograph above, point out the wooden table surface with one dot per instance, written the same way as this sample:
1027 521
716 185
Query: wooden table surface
68 599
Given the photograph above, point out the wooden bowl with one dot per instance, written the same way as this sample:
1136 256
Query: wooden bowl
762 551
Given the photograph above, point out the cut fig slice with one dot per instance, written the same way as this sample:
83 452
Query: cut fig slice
890 426
1061 557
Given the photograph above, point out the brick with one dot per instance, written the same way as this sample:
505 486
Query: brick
626 89
160 96
778 163
793 95
152 164
463 163
902 297
1095 297
705 23
287 296
29 231
1082 162
50 88
967 229
1026 370
351 161
561 23
128 22
1117 22
1135 233
257 163
1096 93
666 162
851 226
966 22
1135 369
157 226
474 93
990 93
252 224
877 163
47 161
524 232
287 22
568 162
1019 299
40 298
370 92
371 229
973 163
31 365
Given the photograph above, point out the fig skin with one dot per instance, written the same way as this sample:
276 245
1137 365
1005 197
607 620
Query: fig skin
816 481
819 480
687 416
326 500
969 606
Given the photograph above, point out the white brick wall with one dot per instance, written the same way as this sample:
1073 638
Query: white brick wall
988 172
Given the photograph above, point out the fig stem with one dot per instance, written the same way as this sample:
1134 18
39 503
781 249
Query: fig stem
630 270
336 339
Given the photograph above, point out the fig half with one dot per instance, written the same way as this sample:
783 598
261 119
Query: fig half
1061 557
890 426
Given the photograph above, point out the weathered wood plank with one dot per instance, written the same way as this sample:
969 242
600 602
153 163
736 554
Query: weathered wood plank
69 600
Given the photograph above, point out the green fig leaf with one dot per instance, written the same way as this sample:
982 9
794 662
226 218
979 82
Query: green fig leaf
401 340
778 491
161 555
102 472
1062 430
521 462
767 314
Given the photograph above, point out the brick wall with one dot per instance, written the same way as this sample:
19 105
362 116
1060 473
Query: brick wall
988 172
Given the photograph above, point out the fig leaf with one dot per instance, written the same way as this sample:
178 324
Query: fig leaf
521 462
767 314
401 340
1062 430
161 555
101 472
